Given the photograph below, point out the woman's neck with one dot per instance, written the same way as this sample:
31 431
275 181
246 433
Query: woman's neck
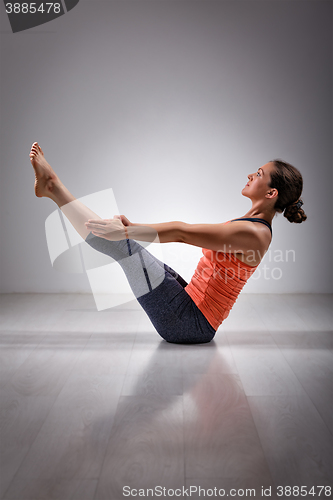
260 212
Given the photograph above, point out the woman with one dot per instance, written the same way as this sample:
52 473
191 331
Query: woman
181 312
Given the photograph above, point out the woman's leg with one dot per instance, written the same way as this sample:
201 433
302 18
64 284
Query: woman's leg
160 291
158 288
130 255
48 184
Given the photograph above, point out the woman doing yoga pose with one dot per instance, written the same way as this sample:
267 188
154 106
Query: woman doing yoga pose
181 312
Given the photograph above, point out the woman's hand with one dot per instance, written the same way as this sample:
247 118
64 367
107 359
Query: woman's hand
109 229
124 220
120 228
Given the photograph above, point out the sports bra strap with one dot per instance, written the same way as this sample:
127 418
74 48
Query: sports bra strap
256 219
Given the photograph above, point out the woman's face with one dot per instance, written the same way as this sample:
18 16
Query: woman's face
258 183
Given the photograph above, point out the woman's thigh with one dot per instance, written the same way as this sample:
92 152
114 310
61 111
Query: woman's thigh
143 270
160 291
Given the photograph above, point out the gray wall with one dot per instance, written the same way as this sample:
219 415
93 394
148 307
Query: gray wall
171 104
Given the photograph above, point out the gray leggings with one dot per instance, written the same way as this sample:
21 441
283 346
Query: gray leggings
160 292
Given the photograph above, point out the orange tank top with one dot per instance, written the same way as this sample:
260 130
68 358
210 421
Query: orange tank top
216 284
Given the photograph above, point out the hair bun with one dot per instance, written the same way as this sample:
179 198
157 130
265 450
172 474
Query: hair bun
294 212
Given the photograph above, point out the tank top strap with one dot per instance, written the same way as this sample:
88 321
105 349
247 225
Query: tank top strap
256 219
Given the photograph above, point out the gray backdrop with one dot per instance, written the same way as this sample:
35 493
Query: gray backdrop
171 104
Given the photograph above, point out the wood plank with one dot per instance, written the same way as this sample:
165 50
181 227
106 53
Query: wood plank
220 436
311 360
21 419
297 444
52 489
76 431
145 446
261 365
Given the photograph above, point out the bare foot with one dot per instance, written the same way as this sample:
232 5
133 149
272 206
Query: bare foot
46 179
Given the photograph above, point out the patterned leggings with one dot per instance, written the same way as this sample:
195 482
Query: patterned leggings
160 292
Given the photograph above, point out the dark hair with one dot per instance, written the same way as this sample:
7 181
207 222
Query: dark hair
289 183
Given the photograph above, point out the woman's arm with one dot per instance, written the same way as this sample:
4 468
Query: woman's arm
120 228
164 232
237 237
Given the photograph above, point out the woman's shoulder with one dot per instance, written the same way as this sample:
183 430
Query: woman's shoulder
253 225
257 232
256 221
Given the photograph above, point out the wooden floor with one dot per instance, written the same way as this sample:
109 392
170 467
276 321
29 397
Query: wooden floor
95 401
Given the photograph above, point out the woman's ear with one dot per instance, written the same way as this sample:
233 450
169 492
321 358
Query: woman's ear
272 193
